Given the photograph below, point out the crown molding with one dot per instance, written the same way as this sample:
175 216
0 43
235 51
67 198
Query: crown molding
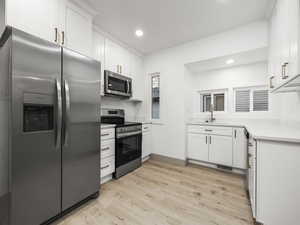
85 6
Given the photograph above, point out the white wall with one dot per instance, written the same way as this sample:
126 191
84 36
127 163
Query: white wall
230 78
169 136
132 110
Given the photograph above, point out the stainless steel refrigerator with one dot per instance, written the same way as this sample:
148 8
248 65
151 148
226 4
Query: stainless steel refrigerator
50 129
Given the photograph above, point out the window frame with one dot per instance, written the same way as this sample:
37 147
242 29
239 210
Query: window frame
212 93
154 120
251 89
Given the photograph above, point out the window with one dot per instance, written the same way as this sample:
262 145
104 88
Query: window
155 96
253 99
212 98
242 101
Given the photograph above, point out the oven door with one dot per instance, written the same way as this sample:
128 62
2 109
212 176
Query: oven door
128 148
116 84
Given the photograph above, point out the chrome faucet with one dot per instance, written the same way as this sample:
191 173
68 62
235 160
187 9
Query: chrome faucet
212 113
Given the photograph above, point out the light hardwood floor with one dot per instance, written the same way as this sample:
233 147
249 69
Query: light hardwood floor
163 194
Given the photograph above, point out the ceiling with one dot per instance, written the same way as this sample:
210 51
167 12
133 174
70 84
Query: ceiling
167 23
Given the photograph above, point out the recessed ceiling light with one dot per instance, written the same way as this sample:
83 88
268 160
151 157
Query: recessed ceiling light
139 33
230 61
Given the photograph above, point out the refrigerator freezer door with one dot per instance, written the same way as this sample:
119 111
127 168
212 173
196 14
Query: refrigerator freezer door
81 128
36 160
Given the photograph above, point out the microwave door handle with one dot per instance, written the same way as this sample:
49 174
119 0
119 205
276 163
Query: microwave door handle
59 114
67 116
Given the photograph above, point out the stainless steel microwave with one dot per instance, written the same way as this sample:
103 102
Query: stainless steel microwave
116 84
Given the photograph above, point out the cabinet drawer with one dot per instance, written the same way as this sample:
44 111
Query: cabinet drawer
107 148
107 166
146 127
107 134
224 131
195 129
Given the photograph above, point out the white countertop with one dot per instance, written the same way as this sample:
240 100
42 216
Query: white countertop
106 125
272 130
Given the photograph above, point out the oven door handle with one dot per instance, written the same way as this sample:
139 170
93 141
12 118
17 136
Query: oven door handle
128 134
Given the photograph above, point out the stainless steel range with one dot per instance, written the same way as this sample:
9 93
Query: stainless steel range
128 141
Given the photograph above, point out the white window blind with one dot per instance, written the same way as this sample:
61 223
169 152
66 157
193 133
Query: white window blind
242 101
260 100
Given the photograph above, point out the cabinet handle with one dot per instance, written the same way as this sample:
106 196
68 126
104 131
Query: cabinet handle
121 69
207 130
63 37
271 81
56 34
205 139
235 134
105 149
103 135
209 139
283 70
104 167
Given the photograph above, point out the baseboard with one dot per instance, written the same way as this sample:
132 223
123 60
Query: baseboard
106 179
145 158
213 166
174 161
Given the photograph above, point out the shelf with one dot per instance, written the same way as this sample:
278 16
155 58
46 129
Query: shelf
291 85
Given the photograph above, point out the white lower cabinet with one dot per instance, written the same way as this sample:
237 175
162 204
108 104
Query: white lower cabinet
239 148
107 148
252 175
225 146
220 150
198 147
146 141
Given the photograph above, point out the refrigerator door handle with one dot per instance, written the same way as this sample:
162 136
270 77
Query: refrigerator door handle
67 118
59 114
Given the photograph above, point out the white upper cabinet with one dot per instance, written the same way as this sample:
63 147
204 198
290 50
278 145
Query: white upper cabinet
284 42
40 18
99 54
117 58
77 30
58 21
138 86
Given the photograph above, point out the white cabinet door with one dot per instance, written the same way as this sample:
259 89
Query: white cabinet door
239 148
112 55
146 144
220 150
252 175
39 18
117 58
99 54
198 147
125 62
78 30
293 24
138 83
